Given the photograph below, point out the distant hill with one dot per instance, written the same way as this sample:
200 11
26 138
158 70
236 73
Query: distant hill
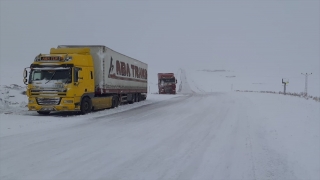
217 70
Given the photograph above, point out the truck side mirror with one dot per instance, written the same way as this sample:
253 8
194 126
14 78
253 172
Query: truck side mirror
25 75
176 81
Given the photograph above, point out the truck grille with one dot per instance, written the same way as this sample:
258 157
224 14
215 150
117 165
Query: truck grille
167 89
48 92
48 101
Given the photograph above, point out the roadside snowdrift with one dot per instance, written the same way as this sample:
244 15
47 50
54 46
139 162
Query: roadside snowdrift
12 99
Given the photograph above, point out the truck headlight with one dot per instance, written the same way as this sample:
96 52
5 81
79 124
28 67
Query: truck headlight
31 101
68 101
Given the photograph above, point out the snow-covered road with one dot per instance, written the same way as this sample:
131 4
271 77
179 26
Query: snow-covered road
192 135
196 136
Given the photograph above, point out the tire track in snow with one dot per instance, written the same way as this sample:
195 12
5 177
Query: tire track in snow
189 146
242 114
266 162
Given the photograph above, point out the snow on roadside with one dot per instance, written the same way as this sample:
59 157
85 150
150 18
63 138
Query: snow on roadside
287 132
15 117
184 86
12 99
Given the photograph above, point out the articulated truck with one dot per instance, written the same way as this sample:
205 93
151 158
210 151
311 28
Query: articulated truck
167 83
84 78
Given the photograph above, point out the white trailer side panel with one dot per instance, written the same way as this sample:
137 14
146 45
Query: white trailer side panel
115 72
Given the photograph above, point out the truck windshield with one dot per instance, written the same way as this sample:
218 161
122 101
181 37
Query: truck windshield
46 75
172 80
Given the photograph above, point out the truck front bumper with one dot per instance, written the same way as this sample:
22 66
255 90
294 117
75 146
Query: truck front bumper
167 91
65 104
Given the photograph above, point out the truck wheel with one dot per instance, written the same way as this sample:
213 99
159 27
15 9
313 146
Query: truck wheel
43 112
86 105
115 102
138 97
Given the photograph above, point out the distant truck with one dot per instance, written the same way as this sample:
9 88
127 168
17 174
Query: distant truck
84 78
167 83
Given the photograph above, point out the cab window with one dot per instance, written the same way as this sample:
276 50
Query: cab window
76 70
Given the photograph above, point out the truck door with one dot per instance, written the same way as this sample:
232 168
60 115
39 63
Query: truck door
80 81
91 84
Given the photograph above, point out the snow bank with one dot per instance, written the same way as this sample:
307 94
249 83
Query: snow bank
287 132
17 119
12 99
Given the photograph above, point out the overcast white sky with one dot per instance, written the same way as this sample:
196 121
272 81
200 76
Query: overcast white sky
263 35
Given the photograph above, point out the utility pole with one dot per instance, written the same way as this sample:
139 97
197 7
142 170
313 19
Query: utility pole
306 83
285 86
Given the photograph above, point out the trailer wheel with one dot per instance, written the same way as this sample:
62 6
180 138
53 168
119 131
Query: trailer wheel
43 112
86 105
138 97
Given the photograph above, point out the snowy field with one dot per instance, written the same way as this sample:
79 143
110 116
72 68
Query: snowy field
204 132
